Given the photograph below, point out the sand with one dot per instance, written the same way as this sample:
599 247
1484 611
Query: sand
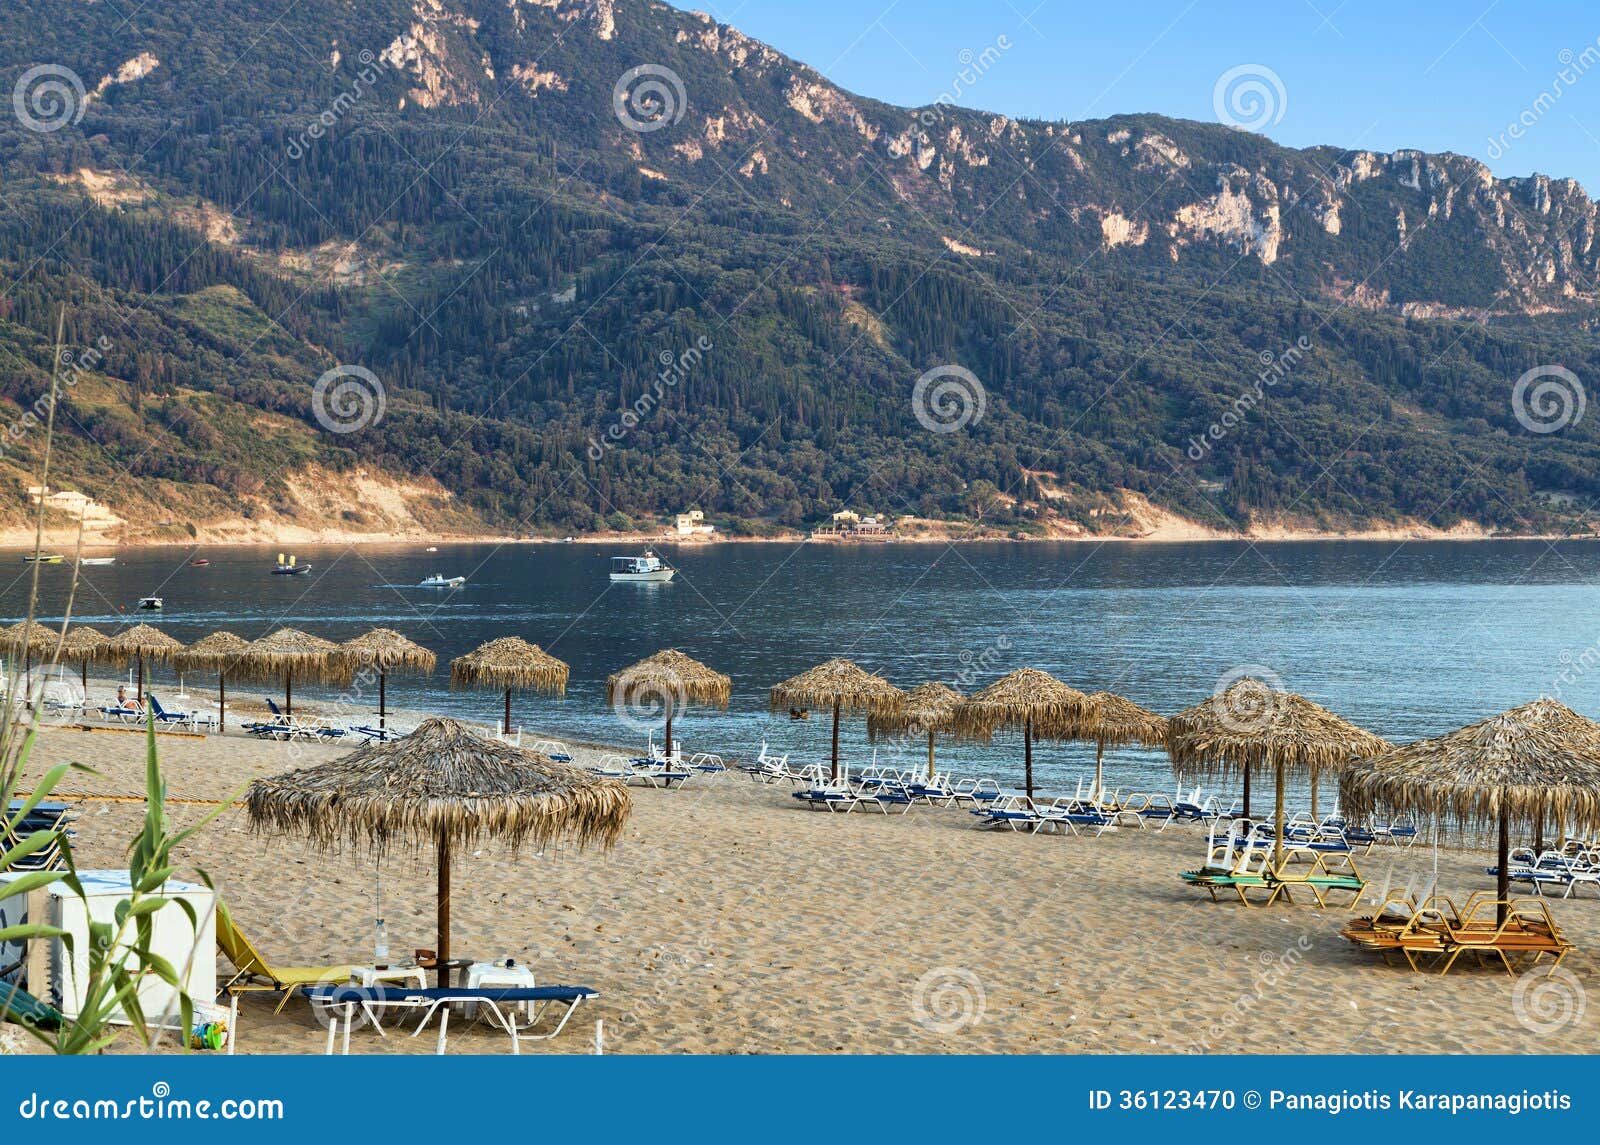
731 920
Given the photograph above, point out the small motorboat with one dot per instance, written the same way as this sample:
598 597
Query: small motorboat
97 560
433 548
151 603
43 559
646 569
199 563
439 581
290 567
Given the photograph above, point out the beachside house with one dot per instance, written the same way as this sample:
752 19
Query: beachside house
693 523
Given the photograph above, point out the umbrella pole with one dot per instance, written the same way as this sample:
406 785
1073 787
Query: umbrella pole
381 697
222 701
1502 890
1314 796
27 668
834 773
83 678
138 689
444 912
1099 766
1027 756
506 727
930 753
1277 841
669 727
1247 791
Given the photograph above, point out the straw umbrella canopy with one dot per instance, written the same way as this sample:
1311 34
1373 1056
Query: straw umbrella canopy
1041 705
1251 724
510 663
1117 721
287 653
82 646
218 653
140 644
442 785
26 637
670 680
388 651
929 707
1531 763
841 685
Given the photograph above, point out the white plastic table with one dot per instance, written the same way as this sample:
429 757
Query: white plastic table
491 974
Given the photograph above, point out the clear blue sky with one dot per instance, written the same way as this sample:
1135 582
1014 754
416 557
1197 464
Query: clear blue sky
1360 74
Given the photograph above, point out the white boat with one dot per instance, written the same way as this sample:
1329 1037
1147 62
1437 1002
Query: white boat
290 567
438 581
97 560
646 569
151 603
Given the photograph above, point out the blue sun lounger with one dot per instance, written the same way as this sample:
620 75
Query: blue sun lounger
344 1003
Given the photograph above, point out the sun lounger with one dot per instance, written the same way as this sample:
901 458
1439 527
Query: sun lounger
706 763
1437 934
553 749
193 720
504 1005
121 714
254 973
978 792
383 734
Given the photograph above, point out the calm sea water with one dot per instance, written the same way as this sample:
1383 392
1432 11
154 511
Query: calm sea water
1407 639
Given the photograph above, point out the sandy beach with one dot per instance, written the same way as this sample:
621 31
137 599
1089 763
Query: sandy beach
730 920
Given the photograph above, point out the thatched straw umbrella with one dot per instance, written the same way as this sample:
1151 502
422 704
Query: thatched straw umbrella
671 680
218 653
388 651
288 653
510 663
82 646
929 707
141 643
1041 705
1534 762
442 784
24 638
841 685
1250 724
1117 721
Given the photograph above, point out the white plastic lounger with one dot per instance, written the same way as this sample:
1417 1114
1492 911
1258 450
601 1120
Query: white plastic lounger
346 1002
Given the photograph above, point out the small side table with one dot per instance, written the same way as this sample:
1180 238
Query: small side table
402 975
487 975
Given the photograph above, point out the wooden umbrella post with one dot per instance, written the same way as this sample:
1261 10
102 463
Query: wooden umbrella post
930 754
381 696
1502 889
222 701
138 689
1277 819
1099 767
443 952
669 726
288 693
1027 756
1247 791
834 773
506 727
1314 818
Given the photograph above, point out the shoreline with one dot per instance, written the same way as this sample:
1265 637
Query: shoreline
13 541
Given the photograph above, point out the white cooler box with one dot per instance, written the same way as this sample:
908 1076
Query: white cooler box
192 950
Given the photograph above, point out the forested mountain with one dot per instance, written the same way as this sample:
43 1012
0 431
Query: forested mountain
606 259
